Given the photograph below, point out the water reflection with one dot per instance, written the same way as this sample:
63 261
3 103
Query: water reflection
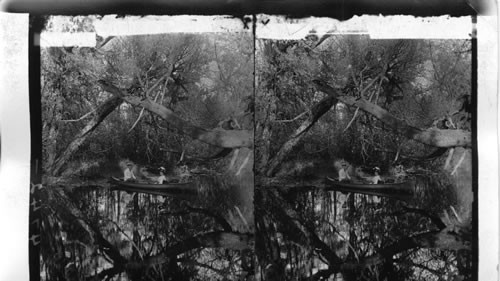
128 226
309 234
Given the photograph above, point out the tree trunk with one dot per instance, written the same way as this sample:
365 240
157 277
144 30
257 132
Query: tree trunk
50 145
434 137
101 113
317 111
136 237
263 146
217 137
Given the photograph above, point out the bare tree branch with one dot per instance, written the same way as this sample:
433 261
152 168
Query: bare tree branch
166 76
291 120
81 118
217 137
433 137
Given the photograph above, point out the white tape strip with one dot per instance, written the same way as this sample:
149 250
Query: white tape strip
133 25
378 27
67 39
111 26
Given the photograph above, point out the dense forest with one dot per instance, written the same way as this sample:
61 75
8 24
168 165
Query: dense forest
335 157
401 108
182 102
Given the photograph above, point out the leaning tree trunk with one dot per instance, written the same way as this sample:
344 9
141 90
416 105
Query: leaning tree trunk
101 113
217 137
317 111
433 137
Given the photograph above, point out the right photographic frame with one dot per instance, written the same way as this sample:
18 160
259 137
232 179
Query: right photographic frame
364 153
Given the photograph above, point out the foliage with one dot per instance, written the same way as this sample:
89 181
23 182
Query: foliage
414 80
424 83
85 229
209 82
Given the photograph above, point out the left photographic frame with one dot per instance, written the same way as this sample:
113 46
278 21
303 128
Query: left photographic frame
147 148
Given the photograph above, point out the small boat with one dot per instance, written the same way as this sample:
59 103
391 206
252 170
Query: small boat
403 190
185 194
152 186
335 182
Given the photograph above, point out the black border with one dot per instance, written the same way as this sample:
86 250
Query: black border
337 9
35 109
475 158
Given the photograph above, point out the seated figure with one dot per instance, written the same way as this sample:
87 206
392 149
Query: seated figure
162 178
376 178
369 178
128 174
344 173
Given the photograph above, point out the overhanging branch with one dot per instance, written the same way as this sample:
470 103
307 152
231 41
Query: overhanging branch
217 137
433 137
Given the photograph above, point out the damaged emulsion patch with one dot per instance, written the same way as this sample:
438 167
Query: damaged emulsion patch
377 27
63 30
